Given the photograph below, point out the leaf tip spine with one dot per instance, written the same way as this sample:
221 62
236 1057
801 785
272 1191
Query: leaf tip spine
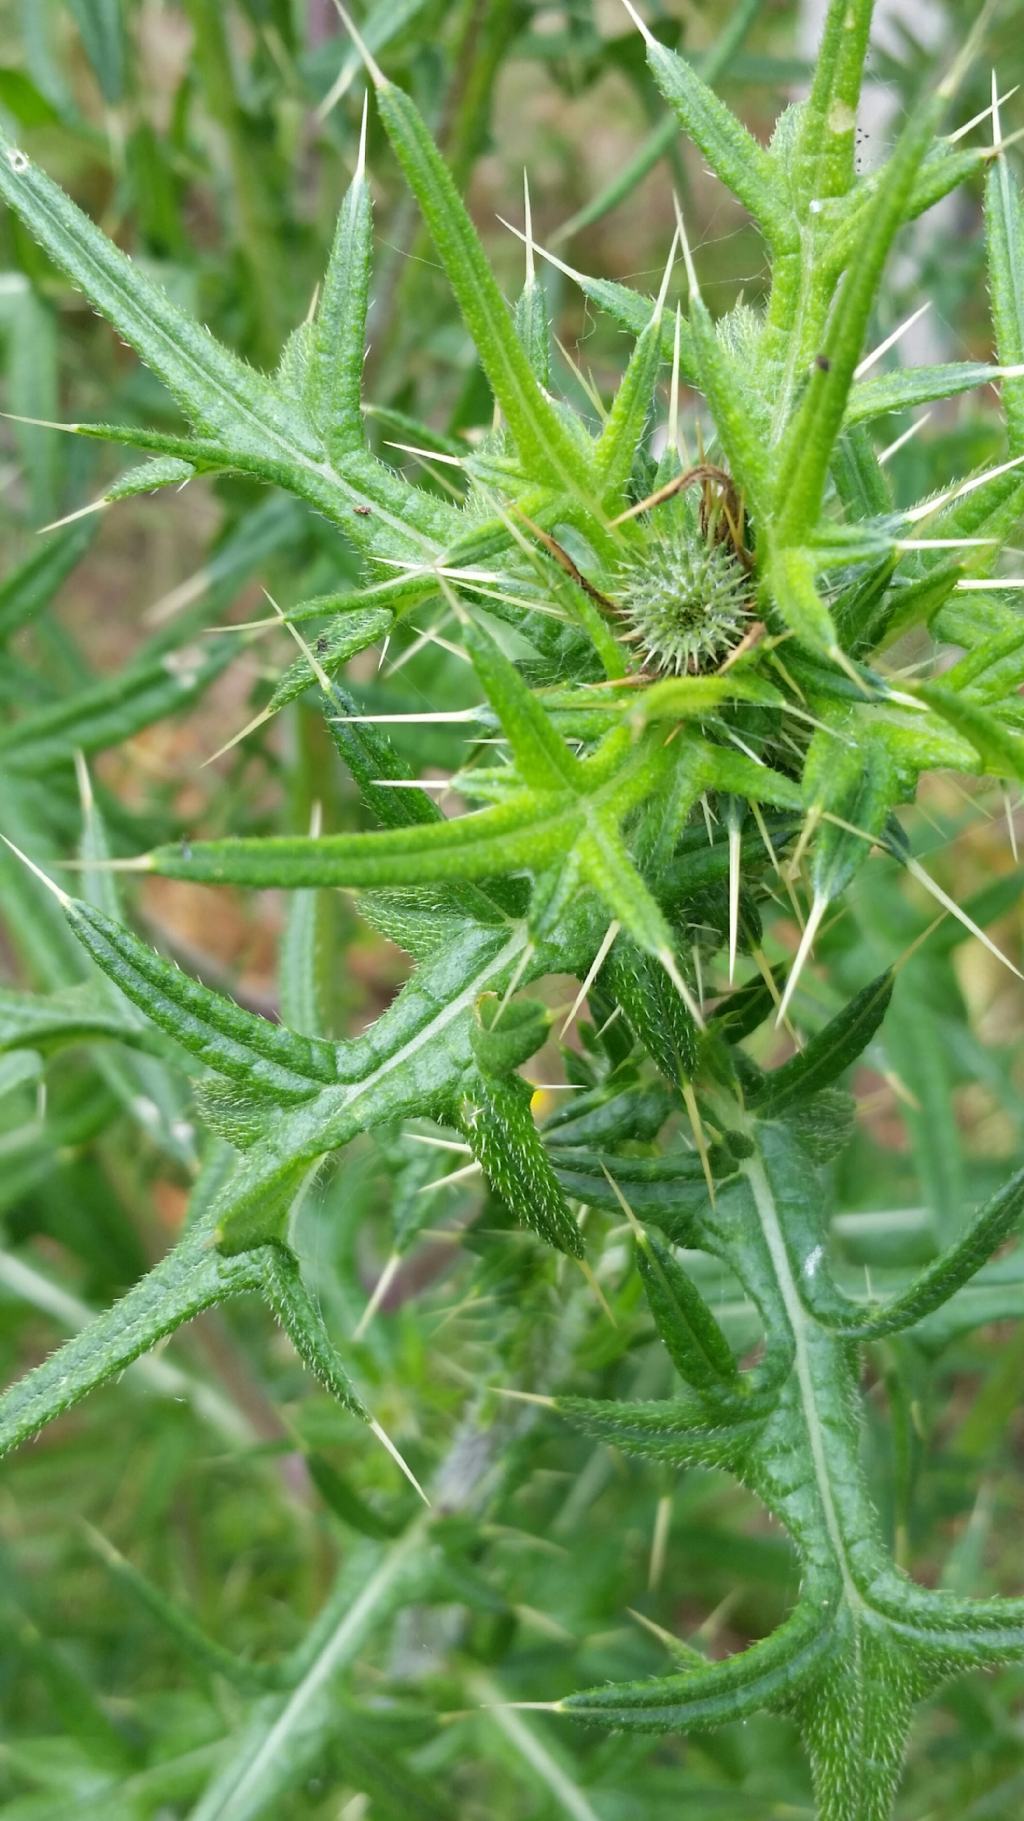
399 1459
645 32
359 175
525 1397
373 69
817 911
659 302
684 241
531 270
62 897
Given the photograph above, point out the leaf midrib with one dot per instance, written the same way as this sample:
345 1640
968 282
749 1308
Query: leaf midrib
798 1320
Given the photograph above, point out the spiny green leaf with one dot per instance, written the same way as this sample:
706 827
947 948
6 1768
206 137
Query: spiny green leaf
263 1056
1004 226
733 154
692 1337
542 440
823 163
192 1277
911 386
335 377
954 1267
826 1056
681 1432
769 1673
496 1118
532 829
815 425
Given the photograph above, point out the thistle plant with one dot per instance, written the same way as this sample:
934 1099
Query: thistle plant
687 703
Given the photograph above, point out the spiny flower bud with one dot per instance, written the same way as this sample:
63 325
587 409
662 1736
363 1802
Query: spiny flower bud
685 600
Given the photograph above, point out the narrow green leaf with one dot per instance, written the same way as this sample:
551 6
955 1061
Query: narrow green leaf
334 384
790 578
280 1281
1000 751
531 830
733 154
250 1049
496 1118
810 437
851 780
1004 227
192 1277
541 755
691 1335
217 391
543 442
823 165
826 1056
681 1432
910 386
769 1673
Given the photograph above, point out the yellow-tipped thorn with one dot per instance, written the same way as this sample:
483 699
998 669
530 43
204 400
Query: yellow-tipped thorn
699 1137
647 35
918 942
890 341
307 651
691 270
623 1203
734 896
818 909
659 1541
70 518
537 1707
900 442
676 1646
976 119
384 1438
1011 825
997 129
259 720
524 1397
445 1182
380 1290
44 878
673 399
659 302
811 820
916 871
359 175
531 271
838 656
42 423
595 968
552 258
84 782
925 511
519 970
373 70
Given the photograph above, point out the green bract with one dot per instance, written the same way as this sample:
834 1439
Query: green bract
683 704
